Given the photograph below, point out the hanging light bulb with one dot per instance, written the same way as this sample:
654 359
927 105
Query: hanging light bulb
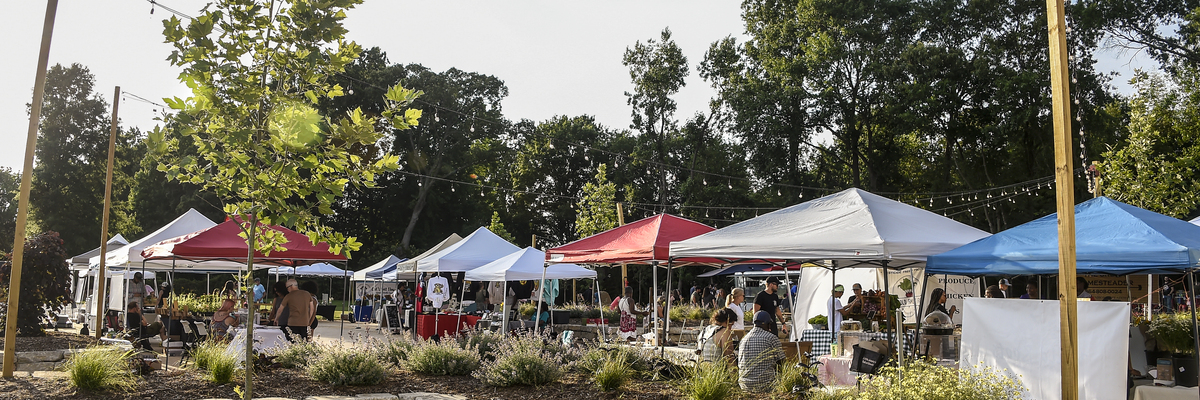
435 116
703 181
801 195
472 127
451 189
778 192
729 184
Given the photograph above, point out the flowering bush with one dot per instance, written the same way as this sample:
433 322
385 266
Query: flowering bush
483 342
298 355
395 350
441 358
926 381
525 360
347 366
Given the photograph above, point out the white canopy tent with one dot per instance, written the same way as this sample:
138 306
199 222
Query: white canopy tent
318 269
475 250
80 262
526 264
131 254
410 266
853 228
390 261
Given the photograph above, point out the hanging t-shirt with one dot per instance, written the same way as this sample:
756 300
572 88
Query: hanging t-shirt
439 291
524 289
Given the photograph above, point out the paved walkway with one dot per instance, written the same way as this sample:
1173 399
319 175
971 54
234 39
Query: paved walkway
376 396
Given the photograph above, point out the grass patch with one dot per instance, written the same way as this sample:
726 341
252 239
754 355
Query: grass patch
710 381
99 368
612 374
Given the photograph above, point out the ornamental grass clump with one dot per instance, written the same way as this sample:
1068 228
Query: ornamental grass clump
794 379
298 355
99 368
347 365
205 352
710 381
592 358
612 374
222 368
525 360
441 358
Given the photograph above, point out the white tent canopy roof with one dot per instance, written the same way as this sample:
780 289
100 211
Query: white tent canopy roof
318 269
526 264
361 275
80 262
851 225
410 265
475 250
130 255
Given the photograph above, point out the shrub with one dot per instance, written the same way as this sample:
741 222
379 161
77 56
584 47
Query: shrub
710 381
700 313
527 309
524 360
45 283
444 358
100 367
612 374
483 342
594 357
347 366
923 380
395 351
298 355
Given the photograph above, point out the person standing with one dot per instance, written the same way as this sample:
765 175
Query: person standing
709 297
136 289
1031 292
1004 285
937 302
734 302
259 291
836 311
628 329
768 301
299 307
758 354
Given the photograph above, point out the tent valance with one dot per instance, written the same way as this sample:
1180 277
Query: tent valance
222 243
478 248
190 221
636 242
319 269
410 266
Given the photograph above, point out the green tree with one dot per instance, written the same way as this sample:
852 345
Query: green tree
596 210
497 227
257 75
10 186
67 191
658 69
1159 169
45 283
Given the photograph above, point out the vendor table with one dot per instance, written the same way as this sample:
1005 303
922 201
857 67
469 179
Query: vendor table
429 325
1165 393
266 338
326 311
835 371
821 339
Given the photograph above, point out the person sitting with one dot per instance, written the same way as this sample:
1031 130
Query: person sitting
224 319
716 340
544 319
136 328
937 302
758 354
994 292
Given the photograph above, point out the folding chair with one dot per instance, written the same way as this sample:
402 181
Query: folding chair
201 332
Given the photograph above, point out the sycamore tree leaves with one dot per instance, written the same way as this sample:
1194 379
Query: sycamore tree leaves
257 76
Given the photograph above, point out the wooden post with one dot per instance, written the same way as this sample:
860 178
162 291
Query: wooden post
1065 189
35 117
100 278
624 269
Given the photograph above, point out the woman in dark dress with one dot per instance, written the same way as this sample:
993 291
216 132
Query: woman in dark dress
937 302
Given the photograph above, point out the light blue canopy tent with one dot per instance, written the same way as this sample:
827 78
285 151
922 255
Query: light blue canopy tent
1111 237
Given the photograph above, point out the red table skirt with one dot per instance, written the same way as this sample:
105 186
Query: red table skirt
443 324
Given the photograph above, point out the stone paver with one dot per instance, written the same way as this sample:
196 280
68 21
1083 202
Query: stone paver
329 398
38 366
430 396
271 398
39 356
49 374
376 396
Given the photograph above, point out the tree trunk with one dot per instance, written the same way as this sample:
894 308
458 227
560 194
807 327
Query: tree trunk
422 196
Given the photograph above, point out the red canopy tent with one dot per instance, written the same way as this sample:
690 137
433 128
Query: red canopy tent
643 241
221 242
646 241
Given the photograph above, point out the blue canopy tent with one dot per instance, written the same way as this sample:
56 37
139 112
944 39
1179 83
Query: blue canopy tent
1111 237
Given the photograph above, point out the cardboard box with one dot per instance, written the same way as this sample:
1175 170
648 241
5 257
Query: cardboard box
1165 370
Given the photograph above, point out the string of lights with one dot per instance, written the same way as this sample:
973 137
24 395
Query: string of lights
968 200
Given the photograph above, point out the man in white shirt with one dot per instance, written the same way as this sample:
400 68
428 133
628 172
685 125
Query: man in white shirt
836 311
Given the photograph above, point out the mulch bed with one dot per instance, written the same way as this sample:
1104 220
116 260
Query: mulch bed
53 340
294 384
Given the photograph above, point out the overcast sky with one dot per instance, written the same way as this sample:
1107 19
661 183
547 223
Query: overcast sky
556 57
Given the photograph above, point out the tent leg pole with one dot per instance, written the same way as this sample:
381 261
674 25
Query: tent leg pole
461 297
504 308
1192 302
887 310
787 279
602 323
654 305
667 311
921 313
832 329
537 316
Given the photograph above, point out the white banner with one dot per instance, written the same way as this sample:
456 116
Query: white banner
374 288
1022 337
905 284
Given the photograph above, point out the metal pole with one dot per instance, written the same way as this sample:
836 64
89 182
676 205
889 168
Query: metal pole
921 312
1192 299
887 304
654 304
537 316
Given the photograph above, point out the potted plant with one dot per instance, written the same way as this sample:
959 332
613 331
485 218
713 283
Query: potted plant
1174 333
819 322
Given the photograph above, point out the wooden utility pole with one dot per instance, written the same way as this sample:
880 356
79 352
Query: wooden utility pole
35 117
624 269
100 284
1065 189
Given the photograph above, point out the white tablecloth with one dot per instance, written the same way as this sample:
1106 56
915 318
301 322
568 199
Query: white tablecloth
266 338
835 371
1148 392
